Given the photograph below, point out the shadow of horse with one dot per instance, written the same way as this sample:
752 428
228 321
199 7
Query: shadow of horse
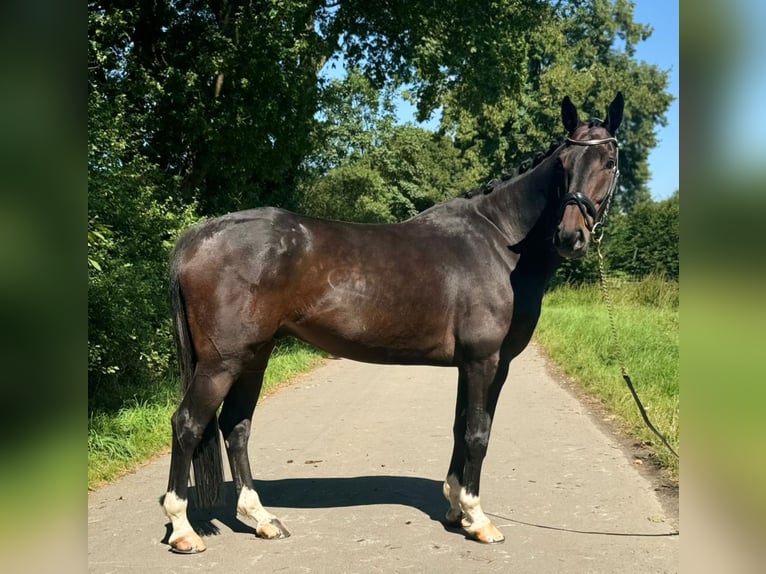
321 492
337 492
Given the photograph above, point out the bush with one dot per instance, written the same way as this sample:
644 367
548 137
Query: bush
645 241
641 243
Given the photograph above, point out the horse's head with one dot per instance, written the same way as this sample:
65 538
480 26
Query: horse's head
588 170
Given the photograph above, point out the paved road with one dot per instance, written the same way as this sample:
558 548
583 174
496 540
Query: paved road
352 458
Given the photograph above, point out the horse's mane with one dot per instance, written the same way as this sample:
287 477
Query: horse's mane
525 165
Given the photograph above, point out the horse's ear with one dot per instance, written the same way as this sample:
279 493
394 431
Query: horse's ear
569 115
614 114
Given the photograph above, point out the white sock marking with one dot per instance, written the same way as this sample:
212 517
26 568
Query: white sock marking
472 510
249 504
175 509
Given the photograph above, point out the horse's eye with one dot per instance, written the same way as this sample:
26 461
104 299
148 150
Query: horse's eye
610 164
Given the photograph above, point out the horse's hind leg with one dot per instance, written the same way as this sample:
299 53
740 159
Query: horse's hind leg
235 421
190 423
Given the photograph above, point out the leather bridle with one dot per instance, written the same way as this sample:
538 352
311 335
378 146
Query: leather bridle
583 202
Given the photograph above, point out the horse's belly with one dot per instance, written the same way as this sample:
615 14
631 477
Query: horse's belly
374 342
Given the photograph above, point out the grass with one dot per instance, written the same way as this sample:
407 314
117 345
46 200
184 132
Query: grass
574 331
119 442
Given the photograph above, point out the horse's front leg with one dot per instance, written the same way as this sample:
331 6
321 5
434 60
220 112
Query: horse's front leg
479 385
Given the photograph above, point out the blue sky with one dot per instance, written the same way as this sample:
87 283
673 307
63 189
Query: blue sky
661 49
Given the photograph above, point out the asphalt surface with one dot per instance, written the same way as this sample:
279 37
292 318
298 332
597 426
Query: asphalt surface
351 458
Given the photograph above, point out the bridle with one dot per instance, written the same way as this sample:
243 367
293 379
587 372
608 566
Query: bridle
584 203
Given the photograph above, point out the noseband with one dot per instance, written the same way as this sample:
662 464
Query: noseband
584 203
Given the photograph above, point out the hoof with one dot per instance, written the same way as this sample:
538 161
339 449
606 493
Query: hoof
186 551
187 544
272 530
487 534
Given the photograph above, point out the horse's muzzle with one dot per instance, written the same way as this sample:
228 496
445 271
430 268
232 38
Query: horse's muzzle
571 243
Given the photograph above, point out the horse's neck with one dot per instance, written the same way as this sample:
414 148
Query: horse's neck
516 207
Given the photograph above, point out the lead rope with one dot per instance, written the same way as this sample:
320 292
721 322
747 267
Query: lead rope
618 348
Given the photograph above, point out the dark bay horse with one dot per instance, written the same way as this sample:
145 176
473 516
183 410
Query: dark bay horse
458 285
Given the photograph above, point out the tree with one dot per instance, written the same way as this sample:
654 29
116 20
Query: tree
422 168
409 170
585 50
131 227
198 107
354 116
229 90
473 51
370 169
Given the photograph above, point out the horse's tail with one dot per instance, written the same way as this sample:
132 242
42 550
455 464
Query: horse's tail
206 459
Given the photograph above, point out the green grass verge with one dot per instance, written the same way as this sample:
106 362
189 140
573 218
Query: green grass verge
574 331
119 442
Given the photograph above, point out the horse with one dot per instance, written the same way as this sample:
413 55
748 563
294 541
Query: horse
458 285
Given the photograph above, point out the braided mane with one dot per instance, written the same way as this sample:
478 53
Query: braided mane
524 166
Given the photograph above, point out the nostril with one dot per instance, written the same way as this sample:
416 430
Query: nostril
580 235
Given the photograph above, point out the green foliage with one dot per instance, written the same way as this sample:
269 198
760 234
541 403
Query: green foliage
645 241
372 170
349 193
408 171
640 243
226 91
198 107
226 94
354 117
131 228
650 291
474 50
582 49
423 168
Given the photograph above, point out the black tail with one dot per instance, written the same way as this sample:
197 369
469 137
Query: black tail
206 460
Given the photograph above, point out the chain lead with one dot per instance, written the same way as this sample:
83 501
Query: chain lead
609 305
618 348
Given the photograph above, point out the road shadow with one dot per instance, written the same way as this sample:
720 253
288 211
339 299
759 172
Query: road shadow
327 492
420 493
